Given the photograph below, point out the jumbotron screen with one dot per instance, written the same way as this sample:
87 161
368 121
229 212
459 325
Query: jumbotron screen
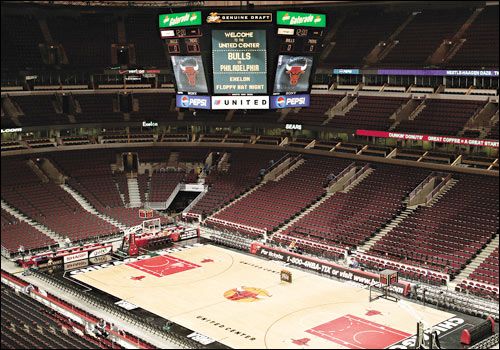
239 61
189 74
292 74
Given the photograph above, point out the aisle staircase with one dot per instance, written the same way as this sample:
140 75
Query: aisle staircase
391 226
133 193
403 215
474 264
306 212
88 207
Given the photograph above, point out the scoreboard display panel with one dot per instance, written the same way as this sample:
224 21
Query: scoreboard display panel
189 74
239 61
300 40
292 74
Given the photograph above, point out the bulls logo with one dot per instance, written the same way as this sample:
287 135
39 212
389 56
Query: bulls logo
191 72
246 294
373 313
295 71
301 342
137 278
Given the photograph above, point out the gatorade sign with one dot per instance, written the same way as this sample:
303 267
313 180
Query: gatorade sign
183 19
301 19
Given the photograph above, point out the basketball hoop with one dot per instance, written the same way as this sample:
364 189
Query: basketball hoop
151 226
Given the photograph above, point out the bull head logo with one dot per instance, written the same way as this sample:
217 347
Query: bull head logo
295 72
191 72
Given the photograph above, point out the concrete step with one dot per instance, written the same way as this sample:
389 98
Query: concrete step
133 193
443 191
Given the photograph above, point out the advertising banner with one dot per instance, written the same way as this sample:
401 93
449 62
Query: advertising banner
240 102
419 72
326 268
418 137
183 19
74 257
239 61
188 234
290 101
292 74
301 19
196 102
99 252
239 17
189 74
443 328
192 187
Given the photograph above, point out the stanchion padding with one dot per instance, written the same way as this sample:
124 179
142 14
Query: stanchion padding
478 332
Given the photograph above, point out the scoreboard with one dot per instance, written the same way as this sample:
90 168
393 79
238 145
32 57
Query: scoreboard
243 60
183 41
298 40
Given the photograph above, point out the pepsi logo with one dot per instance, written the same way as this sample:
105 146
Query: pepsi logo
290 101
185 101
281 101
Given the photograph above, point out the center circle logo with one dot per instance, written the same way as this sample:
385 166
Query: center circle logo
185 101
280 101
246 294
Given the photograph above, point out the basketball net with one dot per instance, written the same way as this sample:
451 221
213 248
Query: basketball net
151 226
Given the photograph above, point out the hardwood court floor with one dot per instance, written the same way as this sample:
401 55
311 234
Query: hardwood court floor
239 300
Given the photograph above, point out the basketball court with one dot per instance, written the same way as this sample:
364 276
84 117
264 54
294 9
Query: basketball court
240 301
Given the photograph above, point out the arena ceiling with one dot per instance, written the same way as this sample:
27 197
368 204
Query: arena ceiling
178 3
